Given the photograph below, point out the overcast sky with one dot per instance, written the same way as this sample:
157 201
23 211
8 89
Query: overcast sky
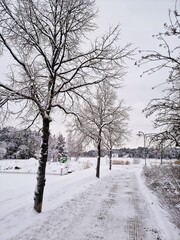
139 20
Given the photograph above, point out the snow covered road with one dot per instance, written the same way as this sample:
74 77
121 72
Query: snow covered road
81 207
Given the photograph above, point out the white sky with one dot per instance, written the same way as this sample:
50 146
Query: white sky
139 20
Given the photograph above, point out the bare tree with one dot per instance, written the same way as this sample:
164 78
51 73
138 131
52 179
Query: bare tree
51 69
74 145
117 131
101 112
166 108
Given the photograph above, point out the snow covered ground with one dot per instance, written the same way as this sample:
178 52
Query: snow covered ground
31 165
77 206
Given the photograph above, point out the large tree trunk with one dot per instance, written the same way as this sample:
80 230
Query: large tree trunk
98 161
99 156
38 194
110 159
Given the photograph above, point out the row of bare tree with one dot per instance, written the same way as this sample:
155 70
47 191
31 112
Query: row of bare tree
55 67
102 120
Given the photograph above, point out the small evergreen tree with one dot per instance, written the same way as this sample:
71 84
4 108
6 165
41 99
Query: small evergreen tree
61 146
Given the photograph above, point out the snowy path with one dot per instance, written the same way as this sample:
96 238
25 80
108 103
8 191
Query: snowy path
116 207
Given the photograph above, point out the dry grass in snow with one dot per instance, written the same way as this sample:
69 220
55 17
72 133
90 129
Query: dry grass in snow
164 180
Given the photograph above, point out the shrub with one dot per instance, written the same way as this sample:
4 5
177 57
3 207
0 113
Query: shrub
136 160
127 162
177 162
120 162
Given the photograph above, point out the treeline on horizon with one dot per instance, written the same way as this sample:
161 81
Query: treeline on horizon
25 144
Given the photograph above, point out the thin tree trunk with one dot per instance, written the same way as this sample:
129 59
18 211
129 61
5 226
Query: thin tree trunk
110 159
161 152
38 194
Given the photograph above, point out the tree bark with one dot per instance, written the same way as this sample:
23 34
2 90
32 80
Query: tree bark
98 161
110 159
38 194
99 156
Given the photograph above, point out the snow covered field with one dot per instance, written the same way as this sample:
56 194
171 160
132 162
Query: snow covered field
77 206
